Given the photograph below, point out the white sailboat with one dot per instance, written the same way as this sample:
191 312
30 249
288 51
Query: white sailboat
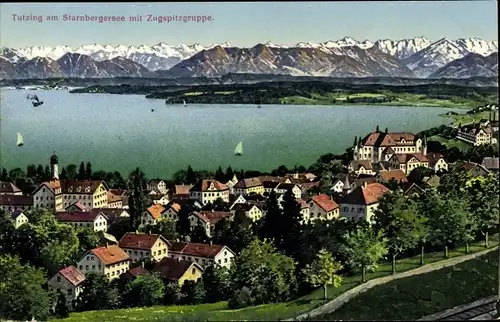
20 141
239 149
184 102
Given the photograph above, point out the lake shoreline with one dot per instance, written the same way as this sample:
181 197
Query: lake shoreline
308 94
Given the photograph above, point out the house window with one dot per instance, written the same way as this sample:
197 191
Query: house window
59 278
193 271
69 292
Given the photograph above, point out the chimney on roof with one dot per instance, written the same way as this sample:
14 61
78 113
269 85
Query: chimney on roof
178 259
107 245
365 184
177 240
211 242
142 264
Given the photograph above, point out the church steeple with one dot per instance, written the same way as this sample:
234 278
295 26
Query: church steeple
356 140
54 167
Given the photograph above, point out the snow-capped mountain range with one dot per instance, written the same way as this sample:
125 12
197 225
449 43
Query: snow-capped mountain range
347 57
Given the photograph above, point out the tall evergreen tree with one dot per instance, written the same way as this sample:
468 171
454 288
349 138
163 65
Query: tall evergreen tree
219 175
31 171
64 174
136 197
271 226
4 175
46 173
183 226
81 172
61 310
39 172
229 173
190 175
291 225
88 171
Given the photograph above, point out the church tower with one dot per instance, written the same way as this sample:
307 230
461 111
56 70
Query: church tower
54 167
356 150
424 146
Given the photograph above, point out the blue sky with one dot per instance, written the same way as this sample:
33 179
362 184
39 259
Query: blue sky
246 24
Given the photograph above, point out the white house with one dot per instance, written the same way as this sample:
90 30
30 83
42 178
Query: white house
304 211
160 199
248 186
437 162
110 261
68 281
153 214
209 191
238 200
141 245
323 207
16 202
157 185
202 254
250 210
48 195
230 184
8 188
208 219
19 218
362 202
94 220
172 211
284 187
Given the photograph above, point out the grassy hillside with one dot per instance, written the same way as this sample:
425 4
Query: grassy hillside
418 296
220 312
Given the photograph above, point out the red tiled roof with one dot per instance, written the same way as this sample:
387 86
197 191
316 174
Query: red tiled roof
80 187
248 183
111 212
196 249
212 217
205 184
118 192
271 179
182 189
136 271
73 275
156 210
16 200
324 202
286 186
78 205
397 175
270 184
52 185
175 206
174 269
140 240
110 254
434 157
365 195
77 216
113 198
387 139
303 203
8 187
357 164
405 158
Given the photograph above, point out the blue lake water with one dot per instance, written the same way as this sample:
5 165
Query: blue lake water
119 132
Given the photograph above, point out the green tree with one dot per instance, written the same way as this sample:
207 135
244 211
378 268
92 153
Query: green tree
165 227
88 171
146 290
217 284
183 225
190 176
364 248
219 175
98 294
323 271
71 172
64 174
249 267
229 174
484 201
194 292
172 294
271 223
291 224
443 220
4 176
22 295
136 198
199 234
81 171
397 216
61 310
87 239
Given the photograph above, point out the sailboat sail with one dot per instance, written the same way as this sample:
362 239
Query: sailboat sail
19 139
184 102
239 149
